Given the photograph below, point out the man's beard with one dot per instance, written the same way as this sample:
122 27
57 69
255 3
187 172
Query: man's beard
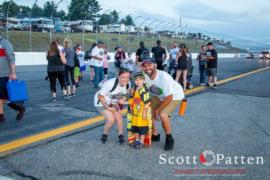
150 72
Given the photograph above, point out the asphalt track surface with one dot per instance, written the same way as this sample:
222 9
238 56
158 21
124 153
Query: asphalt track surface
43 115
232 120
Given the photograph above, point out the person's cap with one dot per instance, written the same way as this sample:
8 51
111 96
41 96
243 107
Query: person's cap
149 60
141 43
100 42
210 44
138 74
183 46
158 41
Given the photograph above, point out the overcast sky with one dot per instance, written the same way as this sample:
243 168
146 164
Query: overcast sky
249 19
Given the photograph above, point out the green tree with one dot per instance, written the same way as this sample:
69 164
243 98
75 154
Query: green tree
61 14
37 11
115 16
14 9
25 11
128 21
49 8
105 19
83 9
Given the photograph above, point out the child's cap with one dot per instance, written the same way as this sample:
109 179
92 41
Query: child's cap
138 74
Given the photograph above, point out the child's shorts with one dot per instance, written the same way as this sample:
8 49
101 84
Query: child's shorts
140 130
82 68
76 72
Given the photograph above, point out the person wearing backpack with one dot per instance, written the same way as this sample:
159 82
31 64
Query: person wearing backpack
109 101
8 72
160 55
141 54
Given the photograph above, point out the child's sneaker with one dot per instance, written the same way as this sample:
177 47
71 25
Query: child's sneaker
138 145
121 139
104 138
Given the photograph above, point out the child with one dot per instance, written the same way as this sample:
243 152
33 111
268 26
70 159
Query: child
76 71
139 105
106 57
105 63
128 63
80 55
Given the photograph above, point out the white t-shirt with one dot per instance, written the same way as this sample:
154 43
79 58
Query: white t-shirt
173 52
110 97
80 56
99 52
165 85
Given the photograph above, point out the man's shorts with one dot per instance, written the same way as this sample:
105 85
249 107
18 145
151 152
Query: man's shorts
169 109
212 72
3 88
140 130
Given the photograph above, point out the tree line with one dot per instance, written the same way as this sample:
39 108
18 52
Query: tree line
77 10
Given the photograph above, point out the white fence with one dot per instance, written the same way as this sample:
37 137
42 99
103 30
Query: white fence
39 58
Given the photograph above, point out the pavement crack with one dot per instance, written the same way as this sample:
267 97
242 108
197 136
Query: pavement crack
25 175
256 124
14 170
94 173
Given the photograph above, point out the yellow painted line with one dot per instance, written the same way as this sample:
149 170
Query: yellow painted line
13 145
48 134
242 75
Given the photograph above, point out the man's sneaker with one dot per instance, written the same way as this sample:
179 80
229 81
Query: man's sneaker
54 99
215 86
155 138
20 113
104 138
2 118
77 85
169 143
121 139
72 94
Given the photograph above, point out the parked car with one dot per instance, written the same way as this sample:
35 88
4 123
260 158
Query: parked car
265 55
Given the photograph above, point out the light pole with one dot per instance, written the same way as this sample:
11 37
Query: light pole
163 27
108 35
31 26
142 24
129 35
149 26
119 33
73 11
155 28
10 2
52 18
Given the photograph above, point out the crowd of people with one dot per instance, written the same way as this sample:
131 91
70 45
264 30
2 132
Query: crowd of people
151 87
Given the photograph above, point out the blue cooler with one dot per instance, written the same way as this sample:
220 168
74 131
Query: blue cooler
17 91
